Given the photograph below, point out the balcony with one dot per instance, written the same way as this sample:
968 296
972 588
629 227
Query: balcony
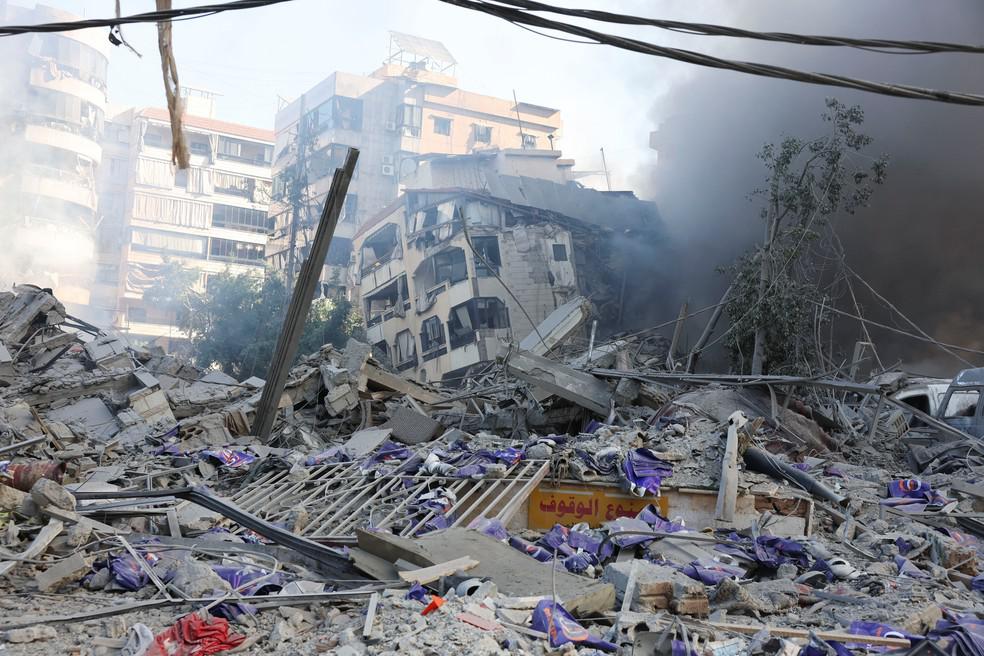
56 183
62 136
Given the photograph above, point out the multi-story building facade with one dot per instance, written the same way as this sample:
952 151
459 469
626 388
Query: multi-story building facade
212 217
481 248
51 112
412 105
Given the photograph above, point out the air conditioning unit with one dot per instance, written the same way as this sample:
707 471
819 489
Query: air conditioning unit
389 159
390 126
389 170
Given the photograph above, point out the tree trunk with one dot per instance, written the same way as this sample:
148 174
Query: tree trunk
765 269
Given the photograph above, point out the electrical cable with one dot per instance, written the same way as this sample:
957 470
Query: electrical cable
899 331
147 17
708 61
886 46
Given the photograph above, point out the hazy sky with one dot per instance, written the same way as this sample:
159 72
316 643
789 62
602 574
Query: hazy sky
251 57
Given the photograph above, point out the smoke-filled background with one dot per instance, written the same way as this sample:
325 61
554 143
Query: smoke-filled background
919 244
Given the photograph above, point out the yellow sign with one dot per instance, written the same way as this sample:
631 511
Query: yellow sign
595 505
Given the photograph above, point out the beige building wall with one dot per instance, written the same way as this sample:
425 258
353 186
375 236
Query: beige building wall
403 110
212 218
529 262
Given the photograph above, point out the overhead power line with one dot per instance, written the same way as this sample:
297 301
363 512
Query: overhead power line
148 17
521 18
889 46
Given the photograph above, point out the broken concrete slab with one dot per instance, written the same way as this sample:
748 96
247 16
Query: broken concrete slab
514 573
656 587
91 414
63 572
558 326
365 441
411 427
557 379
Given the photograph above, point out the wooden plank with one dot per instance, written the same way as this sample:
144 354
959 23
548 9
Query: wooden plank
435 572
782 632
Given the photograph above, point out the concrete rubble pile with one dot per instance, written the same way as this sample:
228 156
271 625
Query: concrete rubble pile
561 502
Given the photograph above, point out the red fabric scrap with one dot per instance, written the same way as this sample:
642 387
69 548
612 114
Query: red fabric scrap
193 636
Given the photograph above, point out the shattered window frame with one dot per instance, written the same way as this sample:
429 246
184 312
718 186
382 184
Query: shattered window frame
460 334
432 338
442 126
482 133
404 350
448 263
488 247
410 119
235 251
489 313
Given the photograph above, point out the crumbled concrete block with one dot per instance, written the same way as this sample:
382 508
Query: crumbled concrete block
11 498
66 571
46 492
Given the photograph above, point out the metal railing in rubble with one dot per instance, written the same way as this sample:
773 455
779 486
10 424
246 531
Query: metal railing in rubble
339 498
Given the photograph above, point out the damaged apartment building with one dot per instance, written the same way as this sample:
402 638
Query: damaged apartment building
411 105
470 257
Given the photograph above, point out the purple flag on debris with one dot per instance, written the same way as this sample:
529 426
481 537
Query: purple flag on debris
561 627
906 568
711 574
644 472
332 456
418 593
556 538
127 572
913 495
963 635
877 629
533 550
817 650
240 575
490 527
230 458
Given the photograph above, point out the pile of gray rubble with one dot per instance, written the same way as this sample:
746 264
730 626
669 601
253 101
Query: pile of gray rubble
563 502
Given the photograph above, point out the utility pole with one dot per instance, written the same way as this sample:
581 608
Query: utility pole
300 300
522 134
604 165
298 187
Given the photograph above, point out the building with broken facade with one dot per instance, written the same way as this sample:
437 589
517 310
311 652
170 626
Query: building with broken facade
51 111
210 218
410 105
470 257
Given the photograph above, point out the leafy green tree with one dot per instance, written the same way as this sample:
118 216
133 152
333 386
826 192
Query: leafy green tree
235 325
776 291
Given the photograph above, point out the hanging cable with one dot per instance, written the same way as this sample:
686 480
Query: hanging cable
148 17
887 46
518 17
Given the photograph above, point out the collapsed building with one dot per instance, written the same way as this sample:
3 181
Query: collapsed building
470 257
568 504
